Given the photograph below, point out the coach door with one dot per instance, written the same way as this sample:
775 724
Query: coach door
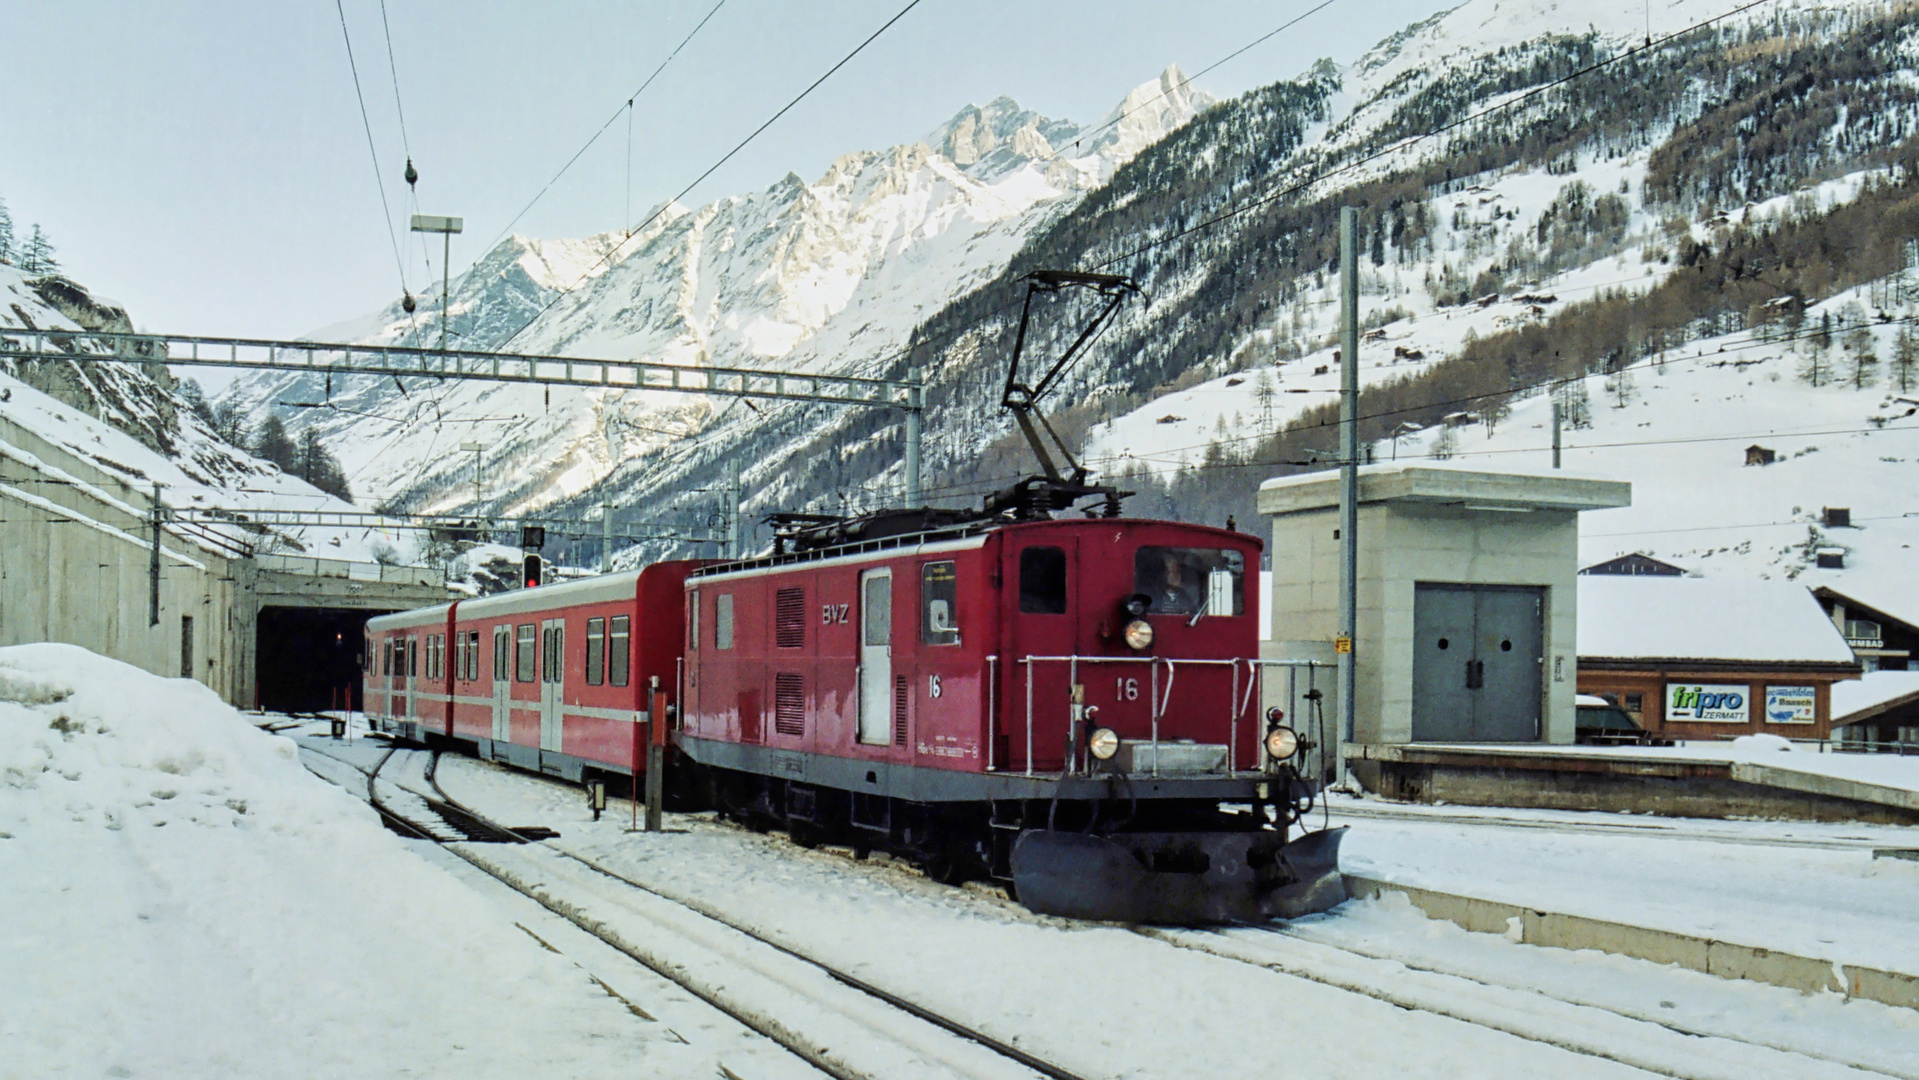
412 675
502 684
552 681
876 657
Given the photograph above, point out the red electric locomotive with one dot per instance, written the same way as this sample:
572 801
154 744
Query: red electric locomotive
1063 705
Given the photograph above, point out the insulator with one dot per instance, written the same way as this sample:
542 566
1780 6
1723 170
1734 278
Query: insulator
407 303
412 174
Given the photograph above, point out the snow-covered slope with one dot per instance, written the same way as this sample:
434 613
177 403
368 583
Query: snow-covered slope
128 421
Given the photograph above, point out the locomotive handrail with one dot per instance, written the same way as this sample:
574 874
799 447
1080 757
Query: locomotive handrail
1157 703
857 547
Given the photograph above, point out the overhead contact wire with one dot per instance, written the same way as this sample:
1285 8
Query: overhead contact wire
386 211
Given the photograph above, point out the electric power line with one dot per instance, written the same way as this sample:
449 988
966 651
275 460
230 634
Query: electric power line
386 212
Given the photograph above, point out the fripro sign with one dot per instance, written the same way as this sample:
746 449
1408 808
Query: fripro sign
1715 703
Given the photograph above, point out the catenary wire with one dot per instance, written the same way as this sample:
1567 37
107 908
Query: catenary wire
627 109
386 212
394 70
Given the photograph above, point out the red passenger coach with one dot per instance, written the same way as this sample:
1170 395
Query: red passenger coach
550 679
406 688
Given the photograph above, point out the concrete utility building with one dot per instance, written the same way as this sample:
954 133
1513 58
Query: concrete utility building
1466 597
1706 658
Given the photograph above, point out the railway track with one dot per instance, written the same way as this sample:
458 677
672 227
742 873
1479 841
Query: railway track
1630 1037
854 1030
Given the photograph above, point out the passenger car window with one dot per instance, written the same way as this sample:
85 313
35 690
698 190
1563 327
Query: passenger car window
1185 581
595 649
618 651
939 598
523 670
1042 581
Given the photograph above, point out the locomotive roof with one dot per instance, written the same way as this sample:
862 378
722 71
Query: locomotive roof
954 538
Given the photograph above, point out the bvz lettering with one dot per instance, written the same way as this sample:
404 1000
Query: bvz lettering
833 613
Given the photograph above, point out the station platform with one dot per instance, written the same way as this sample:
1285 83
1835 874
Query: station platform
1715 781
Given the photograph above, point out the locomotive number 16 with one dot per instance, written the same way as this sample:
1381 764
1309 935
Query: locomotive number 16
833 613
1126 689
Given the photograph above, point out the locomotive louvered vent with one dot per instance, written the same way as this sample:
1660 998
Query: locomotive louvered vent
789 703
789 618
899 710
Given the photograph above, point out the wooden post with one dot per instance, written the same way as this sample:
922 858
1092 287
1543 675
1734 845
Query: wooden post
655 758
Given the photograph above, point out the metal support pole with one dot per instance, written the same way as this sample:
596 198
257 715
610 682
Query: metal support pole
734 509
1348 459
656 760
915 401
1558 418
153 565
446 283
606 533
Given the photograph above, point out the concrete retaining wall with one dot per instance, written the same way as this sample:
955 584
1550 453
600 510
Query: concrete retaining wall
1727 960
74 556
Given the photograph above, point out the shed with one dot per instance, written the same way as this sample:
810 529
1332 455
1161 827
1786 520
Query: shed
1760 455
1465 596
1881 708
1708 658
1634 565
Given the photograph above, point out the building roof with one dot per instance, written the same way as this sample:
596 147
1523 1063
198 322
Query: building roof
1877 692
1635 563
1881 600
1439 483
1655 617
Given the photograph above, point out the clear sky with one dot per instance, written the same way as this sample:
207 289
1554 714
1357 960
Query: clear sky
204 162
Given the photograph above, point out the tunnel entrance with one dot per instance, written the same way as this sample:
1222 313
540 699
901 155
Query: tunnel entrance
308 659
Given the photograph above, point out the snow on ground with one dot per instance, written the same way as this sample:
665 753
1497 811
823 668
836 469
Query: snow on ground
1015 973
181 898
1829 903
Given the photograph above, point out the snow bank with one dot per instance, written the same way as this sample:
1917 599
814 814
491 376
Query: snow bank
182 898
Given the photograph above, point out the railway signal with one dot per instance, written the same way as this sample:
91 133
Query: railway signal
530 575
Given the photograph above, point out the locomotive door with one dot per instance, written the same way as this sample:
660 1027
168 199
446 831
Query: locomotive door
1044 619
876 657
502 684
552 681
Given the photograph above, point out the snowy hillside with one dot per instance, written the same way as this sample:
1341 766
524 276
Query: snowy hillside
129 421
803 275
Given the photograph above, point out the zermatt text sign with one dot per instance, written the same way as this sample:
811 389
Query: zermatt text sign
1714 703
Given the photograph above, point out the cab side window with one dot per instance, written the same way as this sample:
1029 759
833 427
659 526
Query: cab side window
523 664
1042 581
939 599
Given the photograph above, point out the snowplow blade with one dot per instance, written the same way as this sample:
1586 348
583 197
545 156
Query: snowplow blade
1178 879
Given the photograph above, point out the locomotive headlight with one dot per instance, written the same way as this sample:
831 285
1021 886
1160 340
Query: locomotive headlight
1103 743
1282 743
1138 635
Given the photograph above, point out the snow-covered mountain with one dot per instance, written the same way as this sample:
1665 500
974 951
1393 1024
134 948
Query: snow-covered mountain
820 275
1531 218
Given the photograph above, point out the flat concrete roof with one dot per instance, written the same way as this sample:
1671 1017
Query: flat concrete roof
1443 485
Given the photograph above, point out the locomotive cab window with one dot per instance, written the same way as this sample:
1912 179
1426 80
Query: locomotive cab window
595 650
1042 581
618 654
693 622
523 669
1187 581
939 599
723 621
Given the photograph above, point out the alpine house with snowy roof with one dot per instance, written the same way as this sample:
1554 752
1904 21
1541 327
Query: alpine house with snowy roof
1705 658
